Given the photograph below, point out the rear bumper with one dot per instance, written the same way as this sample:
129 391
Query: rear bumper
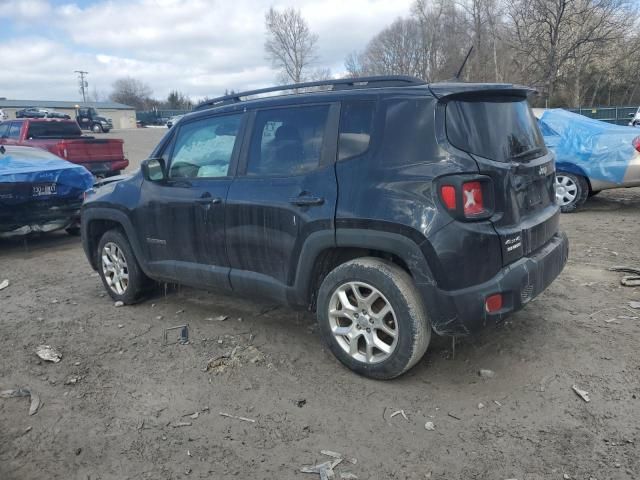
462 312
105 168
32 217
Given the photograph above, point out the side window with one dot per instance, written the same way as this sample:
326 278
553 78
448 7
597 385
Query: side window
14 130
203 148
287 141
4 129
356 123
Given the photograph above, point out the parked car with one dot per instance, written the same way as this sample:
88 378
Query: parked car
32 112
3 116
591 155
390 207
173 120
102 157
90 119
635 119
39 192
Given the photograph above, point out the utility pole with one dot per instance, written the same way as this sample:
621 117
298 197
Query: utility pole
83 83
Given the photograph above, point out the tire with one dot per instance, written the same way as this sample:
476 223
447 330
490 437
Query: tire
407 318
571 191
137 283
96 128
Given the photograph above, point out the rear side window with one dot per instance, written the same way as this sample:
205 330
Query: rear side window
501 129
356 123
14 130
409 132
53 130
287 141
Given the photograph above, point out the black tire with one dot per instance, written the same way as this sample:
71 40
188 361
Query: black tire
582 191
411 320
96 128
138 283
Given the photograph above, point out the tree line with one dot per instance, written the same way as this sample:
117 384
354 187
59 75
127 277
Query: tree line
574 52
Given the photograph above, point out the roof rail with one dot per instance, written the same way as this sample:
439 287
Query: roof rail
338 84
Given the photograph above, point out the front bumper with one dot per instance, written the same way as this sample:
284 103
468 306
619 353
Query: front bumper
462 312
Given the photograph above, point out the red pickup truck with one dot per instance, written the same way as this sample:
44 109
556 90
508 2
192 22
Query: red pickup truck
102 157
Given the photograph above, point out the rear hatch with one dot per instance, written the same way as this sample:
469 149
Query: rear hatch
88 149
494 125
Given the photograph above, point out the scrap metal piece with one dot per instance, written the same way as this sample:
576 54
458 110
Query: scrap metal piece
244 419
24 392
4 284
184 334
583 394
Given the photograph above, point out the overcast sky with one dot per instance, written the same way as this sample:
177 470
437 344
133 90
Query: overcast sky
200 47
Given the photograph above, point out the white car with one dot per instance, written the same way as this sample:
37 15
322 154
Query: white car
3 116
635 121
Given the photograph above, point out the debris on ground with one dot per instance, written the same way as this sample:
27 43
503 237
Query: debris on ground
480 406
301 402
119 303
48 353
244 419
183 339
24 392
325 469
219 318
486 373
4 284
632 280
72 380
452 415
581 393
235 358
429 426
634 304
181 424
399 412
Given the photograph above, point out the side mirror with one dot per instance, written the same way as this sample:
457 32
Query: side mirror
153 169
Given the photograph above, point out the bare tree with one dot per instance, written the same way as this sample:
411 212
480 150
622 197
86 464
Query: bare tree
290 45
133 92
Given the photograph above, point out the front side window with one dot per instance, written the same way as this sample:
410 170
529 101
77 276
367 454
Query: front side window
14 130
204 148
356 123
4 129
287 141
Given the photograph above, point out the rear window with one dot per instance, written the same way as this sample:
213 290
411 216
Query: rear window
53 130
501 129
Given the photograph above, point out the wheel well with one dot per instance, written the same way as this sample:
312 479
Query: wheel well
95 230
330 258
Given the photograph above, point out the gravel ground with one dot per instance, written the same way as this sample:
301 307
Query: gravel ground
121 405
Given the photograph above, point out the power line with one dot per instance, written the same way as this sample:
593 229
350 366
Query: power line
83 83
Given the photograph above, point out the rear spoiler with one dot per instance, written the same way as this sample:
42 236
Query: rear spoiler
442 90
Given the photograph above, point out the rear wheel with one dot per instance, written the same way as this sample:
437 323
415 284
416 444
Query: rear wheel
372 318
119 270
571 191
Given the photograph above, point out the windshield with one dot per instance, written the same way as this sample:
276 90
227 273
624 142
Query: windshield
497 128
53 130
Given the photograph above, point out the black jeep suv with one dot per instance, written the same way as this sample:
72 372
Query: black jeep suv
390 207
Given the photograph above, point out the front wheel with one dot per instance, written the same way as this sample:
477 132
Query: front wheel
571 191
372 318
119 270
96 128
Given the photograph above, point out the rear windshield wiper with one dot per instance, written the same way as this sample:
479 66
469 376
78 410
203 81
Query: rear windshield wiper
526 153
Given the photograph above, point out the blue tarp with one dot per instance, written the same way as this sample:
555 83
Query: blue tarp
601 150
23 168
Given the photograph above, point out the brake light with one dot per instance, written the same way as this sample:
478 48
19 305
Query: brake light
636 143
448 194
472 199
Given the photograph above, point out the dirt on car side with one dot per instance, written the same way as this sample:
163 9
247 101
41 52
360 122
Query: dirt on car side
120 404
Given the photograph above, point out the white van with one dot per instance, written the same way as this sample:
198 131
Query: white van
635 121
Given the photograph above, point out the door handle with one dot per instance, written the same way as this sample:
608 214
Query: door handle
306 201
209 201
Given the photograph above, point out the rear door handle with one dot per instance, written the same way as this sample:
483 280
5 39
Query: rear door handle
209 200
306 201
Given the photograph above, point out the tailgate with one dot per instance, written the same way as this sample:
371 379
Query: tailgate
86 150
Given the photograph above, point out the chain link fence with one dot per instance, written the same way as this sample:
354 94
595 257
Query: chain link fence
616 115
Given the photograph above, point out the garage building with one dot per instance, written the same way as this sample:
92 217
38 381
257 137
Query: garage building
123 116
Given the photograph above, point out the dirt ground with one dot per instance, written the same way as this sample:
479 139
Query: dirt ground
130 413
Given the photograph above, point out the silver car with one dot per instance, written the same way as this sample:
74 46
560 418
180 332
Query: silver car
635 119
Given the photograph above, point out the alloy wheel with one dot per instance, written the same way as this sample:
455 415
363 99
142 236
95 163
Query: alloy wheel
115 268
363 322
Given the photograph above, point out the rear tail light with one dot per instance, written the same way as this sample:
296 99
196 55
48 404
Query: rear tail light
636 143
467 200
472 199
